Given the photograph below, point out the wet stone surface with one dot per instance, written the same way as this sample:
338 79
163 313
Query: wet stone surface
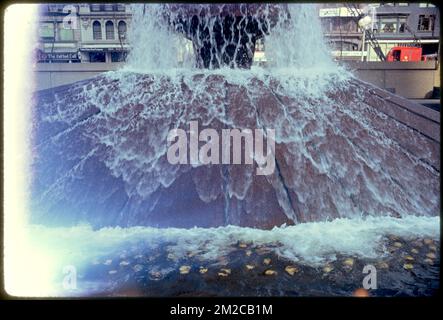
407 268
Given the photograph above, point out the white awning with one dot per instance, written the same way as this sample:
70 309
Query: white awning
408 41
61 46
104 47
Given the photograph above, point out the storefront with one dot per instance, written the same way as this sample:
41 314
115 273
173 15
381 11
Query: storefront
100 54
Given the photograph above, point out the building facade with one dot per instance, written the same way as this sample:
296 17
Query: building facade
79 33
341 31
82 33
392 24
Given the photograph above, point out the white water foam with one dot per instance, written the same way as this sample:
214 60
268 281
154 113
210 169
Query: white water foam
308 243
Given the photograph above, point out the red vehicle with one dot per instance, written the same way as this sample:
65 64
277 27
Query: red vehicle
405 54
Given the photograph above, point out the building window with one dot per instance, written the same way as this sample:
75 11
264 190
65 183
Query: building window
326 24
426 5
120 7
122 29
402 22
109 30
55 8
339 24
63 33
388 25
46 30
118 56
348 25
97 56
95 7
96 30
343 46
426 22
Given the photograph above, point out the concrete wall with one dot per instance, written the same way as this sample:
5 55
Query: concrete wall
49 75
412 80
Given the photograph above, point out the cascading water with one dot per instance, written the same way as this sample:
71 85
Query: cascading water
155 45
161 36
298 43
101 144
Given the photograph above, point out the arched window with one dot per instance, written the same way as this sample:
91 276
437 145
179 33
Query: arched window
96 30
122 29
109 30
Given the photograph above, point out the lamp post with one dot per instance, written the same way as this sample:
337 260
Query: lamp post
363 23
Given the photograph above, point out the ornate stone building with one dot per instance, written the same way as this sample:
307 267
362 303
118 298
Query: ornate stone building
83 32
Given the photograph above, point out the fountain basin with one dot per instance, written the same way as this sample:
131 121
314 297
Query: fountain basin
100 153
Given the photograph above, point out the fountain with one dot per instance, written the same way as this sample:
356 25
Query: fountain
354 185
343 148
224 34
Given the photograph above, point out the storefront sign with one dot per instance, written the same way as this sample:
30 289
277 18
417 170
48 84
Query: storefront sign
334 12
58 56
